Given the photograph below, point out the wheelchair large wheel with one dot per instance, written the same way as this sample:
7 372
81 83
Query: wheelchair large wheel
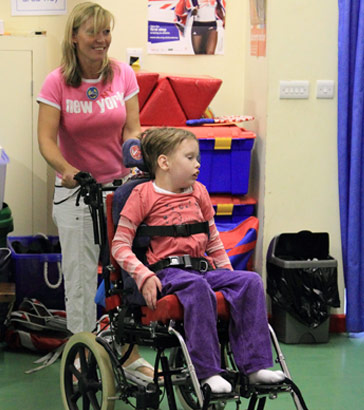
92 384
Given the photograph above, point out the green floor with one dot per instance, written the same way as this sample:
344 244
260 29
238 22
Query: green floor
330 376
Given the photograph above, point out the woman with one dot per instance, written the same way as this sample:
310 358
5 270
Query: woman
87 107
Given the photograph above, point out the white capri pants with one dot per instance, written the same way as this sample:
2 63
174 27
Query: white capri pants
80 257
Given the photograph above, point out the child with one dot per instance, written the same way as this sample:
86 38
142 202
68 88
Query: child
174 197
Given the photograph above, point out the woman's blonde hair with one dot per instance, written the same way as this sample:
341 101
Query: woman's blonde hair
161 141
81 13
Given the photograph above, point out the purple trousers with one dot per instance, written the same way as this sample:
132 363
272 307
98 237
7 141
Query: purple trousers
248 328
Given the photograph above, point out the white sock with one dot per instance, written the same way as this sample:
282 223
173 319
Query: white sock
266 376
218 384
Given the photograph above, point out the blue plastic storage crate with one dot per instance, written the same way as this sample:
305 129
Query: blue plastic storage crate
37 275
225 158
232 209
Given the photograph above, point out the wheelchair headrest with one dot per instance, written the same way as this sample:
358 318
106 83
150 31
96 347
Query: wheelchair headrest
132 154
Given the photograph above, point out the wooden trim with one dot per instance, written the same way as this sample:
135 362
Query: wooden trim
7 292
337 323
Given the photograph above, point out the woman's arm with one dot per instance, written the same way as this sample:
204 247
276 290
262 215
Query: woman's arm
48 124
132 125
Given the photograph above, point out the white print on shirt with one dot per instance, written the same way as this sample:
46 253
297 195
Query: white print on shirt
86 107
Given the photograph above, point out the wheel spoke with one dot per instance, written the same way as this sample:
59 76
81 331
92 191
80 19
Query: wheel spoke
83 359
93 400
74 371
85 402
75 396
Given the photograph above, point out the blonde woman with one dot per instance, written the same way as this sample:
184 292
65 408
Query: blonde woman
87 107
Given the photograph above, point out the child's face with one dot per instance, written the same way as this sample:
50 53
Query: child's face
184 164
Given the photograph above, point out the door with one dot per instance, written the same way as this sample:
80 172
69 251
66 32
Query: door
16 135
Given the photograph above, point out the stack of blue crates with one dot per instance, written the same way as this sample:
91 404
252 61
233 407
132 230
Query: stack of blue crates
225 171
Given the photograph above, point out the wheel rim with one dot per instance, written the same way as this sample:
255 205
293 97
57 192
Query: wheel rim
90 386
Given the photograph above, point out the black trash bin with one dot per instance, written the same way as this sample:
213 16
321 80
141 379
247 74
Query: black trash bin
302 283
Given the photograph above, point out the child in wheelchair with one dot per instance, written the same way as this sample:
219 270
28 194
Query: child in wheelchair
193 265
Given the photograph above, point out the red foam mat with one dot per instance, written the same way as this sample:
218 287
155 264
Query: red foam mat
147 82
162 108
194 93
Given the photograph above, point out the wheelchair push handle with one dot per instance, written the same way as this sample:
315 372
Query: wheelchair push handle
89 189
84 178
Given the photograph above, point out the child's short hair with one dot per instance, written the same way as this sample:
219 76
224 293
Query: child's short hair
161 141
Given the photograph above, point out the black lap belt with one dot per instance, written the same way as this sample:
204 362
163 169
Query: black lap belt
184 261
174 230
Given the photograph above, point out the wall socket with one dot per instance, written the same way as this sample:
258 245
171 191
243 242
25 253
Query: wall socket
132 54
325 89
294 89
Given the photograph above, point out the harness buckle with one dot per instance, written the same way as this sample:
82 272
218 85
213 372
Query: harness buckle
187 261
204 266
174 261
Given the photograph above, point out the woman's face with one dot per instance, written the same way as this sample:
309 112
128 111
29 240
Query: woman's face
91 47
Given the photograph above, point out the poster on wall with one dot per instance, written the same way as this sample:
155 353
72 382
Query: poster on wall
186 26
257 28
38 7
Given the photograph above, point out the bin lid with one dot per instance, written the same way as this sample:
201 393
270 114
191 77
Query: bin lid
302 245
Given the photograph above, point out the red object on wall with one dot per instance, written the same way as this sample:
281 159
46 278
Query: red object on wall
147 82
194 93
162 108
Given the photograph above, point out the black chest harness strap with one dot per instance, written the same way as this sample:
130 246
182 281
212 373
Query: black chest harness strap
184 230
184 261
174 230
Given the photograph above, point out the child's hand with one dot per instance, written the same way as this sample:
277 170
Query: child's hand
149 291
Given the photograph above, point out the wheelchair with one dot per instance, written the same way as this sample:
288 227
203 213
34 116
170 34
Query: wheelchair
99 381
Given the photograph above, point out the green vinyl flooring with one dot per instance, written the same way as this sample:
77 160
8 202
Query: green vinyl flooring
329 375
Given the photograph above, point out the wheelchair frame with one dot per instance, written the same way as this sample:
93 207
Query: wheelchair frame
100 380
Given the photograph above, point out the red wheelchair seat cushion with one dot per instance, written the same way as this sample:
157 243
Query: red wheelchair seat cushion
170 308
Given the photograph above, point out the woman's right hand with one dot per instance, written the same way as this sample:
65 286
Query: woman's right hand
68 180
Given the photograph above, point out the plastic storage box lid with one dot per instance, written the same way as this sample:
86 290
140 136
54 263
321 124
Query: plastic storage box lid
225 204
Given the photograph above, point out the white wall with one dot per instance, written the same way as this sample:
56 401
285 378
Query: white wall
294 161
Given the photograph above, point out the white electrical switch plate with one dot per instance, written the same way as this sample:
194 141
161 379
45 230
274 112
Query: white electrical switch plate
294 89
325 89
133 54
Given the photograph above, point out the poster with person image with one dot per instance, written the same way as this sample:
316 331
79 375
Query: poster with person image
186 26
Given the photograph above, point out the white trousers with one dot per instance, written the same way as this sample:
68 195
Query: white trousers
80 257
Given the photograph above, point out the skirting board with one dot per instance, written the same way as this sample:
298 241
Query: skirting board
337 324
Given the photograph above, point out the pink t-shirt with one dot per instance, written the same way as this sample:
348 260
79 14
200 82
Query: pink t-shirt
170 209
92 119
